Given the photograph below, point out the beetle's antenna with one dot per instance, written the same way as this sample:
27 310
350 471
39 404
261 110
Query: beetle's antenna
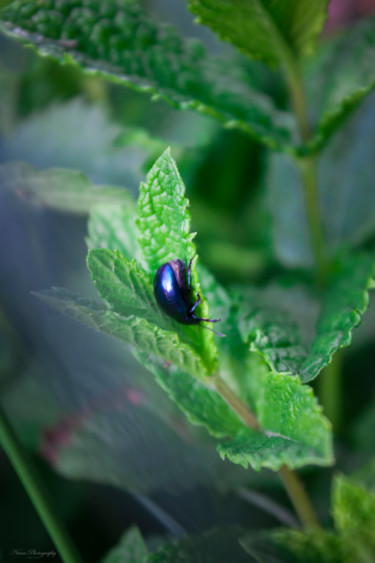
212 330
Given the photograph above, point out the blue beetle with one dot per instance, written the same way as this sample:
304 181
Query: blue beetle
173 293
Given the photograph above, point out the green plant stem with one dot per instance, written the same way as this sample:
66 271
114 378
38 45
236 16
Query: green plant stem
236 404
290 479
329 391
36 491
299 497
308 170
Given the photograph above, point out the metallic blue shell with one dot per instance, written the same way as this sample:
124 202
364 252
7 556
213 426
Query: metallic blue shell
171 291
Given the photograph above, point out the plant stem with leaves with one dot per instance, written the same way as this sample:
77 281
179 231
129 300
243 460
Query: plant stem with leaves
290 479
307 166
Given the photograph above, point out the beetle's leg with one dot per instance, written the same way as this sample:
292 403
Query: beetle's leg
195 304
205 320
189 276
214 331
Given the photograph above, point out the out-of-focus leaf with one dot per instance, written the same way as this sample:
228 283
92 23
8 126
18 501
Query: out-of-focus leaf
341 77
114 227
346 193
130 549
273 32
63 190
271 330
215 546
79 136
125 45
353 512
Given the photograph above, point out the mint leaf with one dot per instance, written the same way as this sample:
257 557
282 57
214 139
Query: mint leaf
131 548
202 405
113 227
63 190
343 306
354 509
106 40
342 77
295 432
123 285
135 331
164 235
265 30
163 218
271 330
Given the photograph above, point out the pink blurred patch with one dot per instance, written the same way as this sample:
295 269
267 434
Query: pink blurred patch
342 12
60 436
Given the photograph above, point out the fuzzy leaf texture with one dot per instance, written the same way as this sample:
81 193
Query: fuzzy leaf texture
275 335
341 78
124 45
164 234
270 30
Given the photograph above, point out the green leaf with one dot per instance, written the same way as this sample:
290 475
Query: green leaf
130 549
136 332
123 285
201 404
163 218
113 227
346 194
215 546
63 190
128 291
353 509
292 546
270 329
341 78
353 512
164 235
343 306
124 45
265 30
79 136
295 433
